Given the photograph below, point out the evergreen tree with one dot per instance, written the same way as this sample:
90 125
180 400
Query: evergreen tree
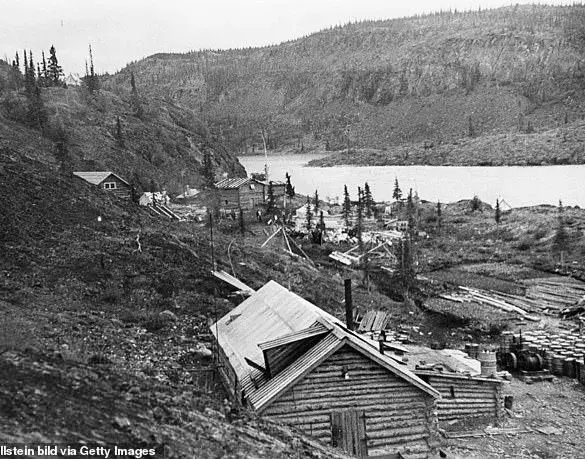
91 79
321 225
406 268
309 216
135 98
119 135
411 214
498 214
439 215
29 75
55 70
368 200
360 218
208 168
346 209
397 193
316 206
45 70
290 191
475 204
17 61
561 238
271 201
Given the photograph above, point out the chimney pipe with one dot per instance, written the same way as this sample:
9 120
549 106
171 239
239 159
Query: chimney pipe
348 305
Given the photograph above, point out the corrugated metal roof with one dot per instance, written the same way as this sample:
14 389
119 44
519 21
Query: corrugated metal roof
268 392
274 312
96 178
231 183
270 313
316 329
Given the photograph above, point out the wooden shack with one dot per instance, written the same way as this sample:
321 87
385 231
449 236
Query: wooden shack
107 181
290 361
465 393
236 193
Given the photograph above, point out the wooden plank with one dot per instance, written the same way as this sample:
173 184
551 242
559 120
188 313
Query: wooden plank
228 278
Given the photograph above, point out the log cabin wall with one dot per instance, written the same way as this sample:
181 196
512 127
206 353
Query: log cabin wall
467 398
229 198
398 416
122 189
251 195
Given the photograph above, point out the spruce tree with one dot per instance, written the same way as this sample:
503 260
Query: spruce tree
119 135
346 209
411 214
45 70
561 238
55 70
498 214
91 79
290 191
397 193
208 169
368 200
316 206
360 218
439 215
271 200
17 61
309 216
135 98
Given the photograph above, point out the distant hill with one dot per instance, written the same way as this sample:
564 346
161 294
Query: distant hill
158 144
433 78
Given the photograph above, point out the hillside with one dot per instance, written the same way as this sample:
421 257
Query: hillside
147 141
431 79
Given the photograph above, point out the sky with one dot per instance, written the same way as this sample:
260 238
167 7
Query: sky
122 31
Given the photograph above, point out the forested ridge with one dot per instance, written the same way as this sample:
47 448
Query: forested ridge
430 79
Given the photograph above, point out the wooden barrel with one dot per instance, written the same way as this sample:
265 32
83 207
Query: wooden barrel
487 359
505 342
581 372
569 367
474 350
557 365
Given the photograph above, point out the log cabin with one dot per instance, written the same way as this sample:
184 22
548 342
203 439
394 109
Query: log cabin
236 193
466 394
290 361
108 181
247 193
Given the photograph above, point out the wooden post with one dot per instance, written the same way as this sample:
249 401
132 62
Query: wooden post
348 305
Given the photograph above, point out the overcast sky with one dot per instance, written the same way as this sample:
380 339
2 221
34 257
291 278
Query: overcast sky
121 31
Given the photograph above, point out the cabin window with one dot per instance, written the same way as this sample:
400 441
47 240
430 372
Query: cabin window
252 186
110 185
452 390
226 201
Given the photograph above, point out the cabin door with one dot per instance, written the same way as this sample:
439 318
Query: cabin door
348 431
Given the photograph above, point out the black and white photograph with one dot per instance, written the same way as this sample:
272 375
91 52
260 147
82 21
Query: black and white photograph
295 229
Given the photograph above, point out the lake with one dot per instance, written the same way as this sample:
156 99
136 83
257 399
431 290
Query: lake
518 186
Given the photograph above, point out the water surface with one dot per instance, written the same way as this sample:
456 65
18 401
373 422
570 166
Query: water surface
518 186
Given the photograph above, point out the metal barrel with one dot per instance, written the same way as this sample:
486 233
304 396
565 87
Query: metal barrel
487 359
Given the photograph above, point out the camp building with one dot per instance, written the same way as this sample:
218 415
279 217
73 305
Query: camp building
290 361
107 181
246 193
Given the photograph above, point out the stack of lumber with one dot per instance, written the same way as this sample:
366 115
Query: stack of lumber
490 299
552 294
373 321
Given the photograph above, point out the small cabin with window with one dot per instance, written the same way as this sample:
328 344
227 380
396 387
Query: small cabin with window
236 193
292 362
107 181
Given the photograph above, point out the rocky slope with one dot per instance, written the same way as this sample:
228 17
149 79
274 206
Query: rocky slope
427 79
